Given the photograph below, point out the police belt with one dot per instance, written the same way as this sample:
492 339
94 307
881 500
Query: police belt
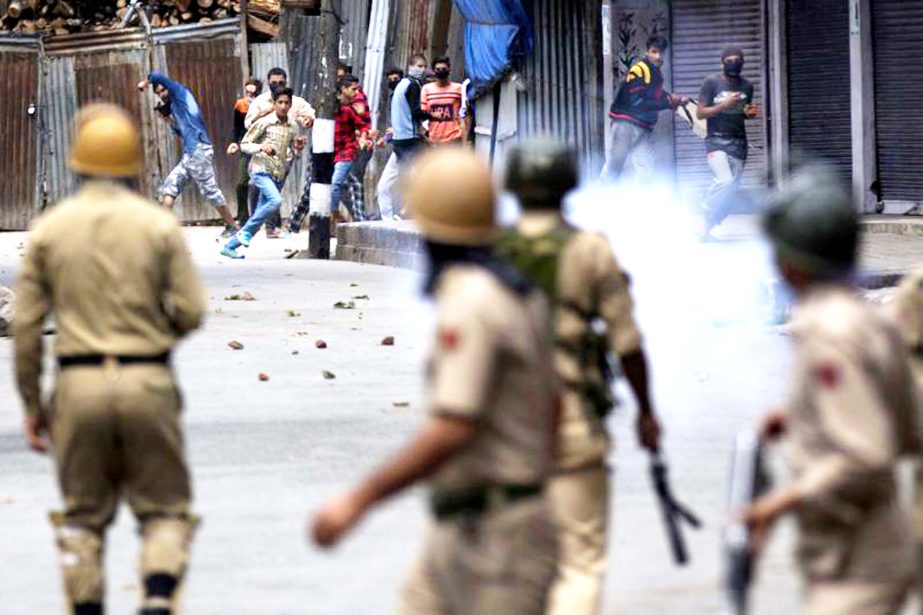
475 500
121 359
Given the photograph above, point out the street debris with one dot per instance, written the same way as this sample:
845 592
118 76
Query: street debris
364 297
294 352
293 313
246 296
263 377
320 344
343 305
353 285
388 341
401 404
328 375
235 345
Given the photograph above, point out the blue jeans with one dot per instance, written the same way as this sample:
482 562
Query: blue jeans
269 203
340 173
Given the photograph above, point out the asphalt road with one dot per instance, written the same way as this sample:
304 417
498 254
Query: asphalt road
264 454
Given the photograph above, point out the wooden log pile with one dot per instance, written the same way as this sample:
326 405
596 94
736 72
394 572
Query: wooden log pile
61 17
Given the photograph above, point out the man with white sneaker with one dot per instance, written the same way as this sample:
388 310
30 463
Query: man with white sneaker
268 142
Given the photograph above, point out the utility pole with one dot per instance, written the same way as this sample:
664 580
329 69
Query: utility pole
324 99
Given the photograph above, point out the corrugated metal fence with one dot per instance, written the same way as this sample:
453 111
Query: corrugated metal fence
19 156
59 74
563 82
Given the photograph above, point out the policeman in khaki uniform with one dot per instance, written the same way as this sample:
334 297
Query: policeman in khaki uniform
851 413
907 309
578 271
114 271
487 444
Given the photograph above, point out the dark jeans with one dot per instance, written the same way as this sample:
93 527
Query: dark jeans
405 149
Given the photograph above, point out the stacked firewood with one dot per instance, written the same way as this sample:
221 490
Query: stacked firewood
70 16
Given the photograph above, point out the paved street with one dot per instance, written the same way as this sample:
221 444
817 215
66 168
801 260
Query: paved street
265 453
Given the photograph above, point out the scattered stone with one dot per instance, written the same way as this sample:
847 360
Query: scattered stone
364 297
388 341
235 345
293 314
328 375
246 296
263 377
401 404
294 352
320 344
353 285
343 305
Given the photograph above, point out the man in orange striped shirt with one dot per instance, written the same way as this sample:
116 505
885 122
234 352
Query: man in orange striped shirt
442 99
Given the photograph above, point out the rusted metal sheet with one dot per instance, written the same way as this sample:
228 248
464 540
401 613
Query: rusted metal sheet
301 33
94 42
562 95
214 29
211 69
110 76
354 34
20 152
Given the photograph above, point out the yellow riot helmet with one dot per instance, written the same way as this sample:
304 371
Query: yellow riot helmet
450 194
106 144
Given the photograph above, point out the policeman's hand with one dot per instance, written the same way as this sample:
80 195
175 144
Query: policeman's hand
268 149
335 519
774 425
763 513
648 431
38 433
233 148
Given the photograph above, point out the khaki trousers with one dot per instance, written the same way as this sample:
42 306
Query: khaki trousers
117 432
499 563
580 505
856 597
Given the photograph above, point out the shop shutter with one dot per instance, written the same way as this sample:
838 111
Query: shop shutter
897 33
701 28
818 81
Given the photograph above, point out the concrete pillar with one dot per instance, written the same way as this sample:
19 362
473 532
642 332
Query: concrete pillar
778 91
862 103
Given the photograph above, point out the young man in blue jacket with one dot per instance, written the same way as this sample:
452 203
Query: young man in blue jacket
197 163
639 100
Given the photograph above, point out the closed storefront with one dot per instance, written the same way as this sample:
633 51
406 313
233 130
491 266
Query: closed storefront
817 37
897 34
701 28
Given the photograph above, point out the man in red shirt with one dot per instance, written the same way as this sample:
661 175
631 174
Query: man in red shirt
443 100
351 128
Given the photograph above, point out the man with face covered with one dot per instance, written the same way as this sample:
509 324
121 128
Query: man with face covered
384 192
726 101
407 114
197 163
638 101
443 100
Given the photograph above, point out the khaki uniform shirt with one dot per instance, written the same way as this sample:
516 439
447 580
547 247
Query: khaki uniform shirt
491 363
263 104
589 277
114 269
852 415
275 132
907 310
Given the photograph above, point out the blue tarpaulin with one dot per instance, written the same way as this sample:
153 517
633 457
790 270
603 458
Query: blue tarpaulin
495 31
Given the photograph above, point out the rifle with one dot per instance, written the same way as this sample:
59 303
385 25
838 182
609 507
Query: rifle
748 481
673 512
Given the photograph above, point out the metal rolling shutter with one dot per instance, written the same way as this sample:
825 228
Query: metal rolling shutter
700 29
897 41
818 81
